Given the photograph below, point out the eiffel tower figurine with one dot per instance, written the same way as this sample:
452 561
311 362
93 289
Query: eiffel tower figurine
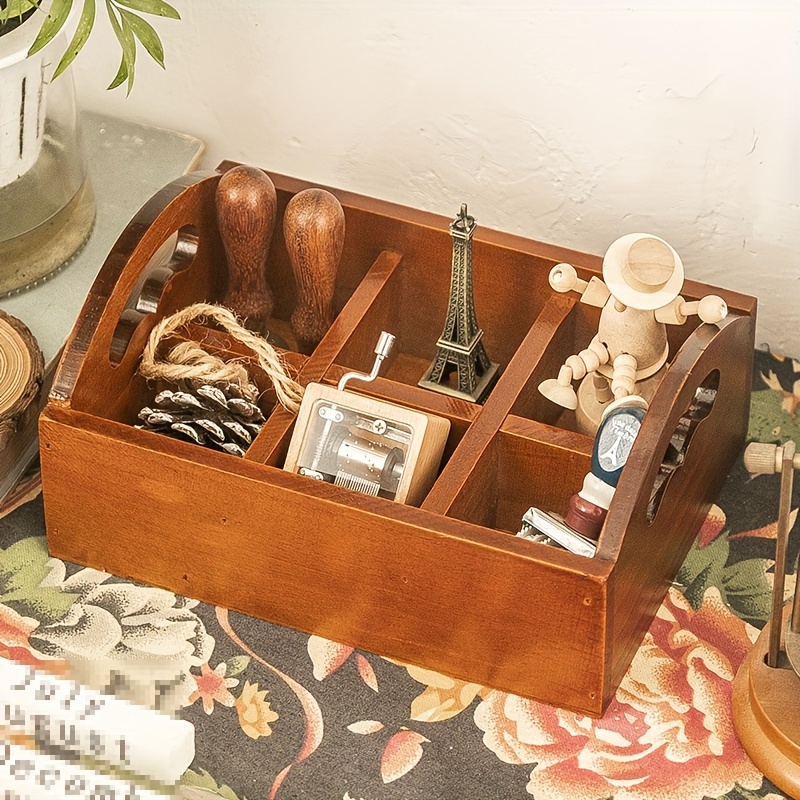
460 347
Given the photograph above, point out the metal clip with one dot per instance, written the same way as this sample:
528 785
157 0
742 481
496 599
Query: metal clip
536 522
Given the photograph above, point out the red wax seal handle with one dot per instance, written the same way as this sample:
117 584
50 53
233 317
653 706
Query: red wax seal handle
584 517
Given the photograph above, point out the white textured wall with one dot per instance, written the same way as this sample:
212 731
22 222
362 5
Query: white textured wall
570 122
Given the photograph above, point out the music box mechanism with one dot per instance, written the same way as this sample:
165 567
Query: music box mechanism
370 446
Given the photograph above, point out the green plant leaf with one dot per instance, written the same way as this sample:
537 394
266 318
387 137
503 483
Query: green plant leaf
52 24
743 585
85 25
740 793
236 665
702 568
121 76
23 564
146 34
124 34
747 591
23 567
16 8
157 7
204 780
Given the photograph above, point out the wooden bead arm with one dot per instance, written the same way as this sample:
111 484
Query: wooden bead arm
711 309
563 278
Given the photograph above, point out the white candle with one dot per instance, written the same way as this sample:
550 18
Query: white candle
28 775
86 722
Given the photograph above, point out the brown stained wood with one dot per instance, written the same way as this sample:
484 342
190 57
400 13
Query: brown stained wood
313 227
338 560
647 555
533 473
573 334
501 400
118 261
558 438
478 500
375 225
246 203
96 379
522 471
417 569
765 704
271 443
358 351
370 293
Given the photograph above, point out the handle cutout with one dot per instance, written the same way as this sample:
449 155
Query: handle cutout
703 401
175 255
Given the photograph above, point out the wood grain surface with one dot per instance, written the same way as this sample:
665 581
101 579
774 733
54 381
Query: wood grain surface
313 226
765 703
246 204
446 586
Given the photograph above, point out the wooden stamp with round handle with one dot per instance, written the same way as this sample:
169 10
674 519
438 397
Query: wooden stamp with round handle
313 227
246 203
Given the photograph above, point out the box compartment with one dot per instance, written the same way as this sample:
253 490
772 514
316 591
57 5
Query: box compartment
452 588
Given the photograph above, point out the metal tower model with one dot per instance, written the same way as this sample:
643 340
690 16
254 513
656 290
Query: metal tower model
460 347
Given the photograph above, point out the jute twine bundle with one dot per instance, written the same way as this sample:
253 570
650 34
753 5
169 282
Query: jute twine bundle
188 361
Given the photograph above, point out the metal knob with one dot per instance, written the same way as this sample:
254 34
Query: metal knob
766 459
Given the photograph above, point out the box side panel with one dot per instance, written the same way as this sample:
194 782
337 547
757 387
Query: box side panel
392 586
653 520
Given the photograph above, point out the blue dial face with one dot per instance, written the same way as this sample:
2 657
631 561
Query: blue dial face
614 443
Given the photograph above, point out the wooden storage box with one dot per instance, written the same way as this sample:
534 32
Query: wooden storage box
446 585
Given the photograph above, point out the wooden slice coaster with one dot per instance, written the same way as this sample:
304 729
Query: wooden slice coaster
21 370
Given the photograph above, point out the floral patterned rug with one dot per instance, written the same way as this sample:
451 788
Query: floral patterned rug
280 714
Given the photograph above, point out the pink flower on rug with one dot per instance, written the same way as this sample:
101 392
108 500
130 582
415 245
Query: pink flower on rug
212 686
401 754
14 632
15 644
668 734
327 656
713 525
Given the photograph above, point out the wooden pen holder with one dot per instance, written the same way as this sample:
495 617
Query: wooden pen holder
445 585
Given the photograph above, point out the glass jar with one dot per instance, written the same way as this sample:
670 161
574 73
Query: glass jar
46 204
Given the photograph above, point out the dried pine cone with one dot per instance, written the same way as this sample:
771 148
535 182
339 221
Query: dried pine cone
214 416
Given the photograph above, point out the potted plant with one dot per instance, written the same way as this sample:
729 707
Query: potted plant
45 196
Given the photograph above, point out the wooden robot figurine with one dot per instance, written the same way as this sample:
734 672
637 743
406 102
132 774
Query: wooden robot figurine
639 295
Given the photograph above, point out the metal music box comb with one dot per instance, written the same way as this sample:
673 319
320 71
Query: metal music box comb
370 446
